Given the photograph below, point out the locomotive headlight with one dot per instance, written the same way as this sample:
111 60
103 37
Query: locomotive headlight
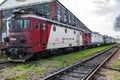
6 39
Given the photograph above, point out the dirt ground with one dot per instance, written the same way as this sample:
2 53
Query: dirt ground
107 74
38 69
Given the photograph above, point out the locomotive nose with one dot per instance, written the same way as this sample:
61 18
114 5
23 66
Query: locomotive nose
18 39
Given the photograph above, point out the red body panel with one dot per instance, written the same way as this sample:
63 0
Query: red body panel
24 33
83 37
40 36
86 38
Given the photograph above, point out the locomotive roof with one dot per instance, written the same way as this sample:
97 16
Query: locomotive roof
6 4
96 33
55 22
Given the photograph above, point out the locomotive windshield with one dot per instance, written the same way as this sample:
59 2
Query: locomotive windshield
18 24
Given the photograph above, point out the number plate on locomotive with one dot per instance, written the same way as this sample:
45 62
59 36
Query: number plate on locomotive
13 39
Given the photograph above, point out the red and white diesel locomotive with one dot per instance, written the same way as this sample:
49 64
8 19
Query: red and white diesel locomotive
29 35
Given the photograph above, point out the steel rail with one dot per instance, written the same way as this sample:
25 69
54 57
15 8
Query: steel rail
3 62
63 71
89 76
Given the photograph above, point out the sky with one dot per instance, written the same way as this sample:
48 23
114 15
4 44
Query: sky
97 15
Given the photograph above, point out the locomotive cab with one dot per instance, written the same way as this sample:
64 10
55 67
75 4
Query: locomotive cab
18 37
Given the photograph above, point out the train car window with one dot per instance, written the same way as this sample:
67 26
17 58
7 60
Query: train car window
26 23
65 30
86 34
36 25
74 32
89 35
44 26
54 28
19 24
80 33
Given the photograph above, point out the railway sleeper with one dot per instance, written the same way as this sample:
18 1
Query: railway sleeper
88 65
68 78
75 75
80 72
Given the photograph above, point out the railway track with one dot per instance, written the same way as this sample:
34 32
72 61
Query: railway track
3 62
83 70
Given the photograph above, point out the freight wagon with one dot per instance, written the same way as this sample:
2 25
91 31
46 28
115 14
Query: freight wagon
97 39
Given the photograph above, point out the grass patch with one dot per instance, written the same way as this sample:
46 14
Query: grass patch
79 55
116 64
2 58
19 77
117 77
42 67
22 67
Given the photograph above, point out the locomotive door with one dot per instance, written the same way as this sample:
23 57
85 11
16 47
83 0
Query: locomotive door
43 34
78 38
83 38
39 35
36 36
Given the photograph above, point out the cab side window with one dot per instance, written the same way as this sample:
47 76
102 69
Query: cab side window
26 23
37 25
44 26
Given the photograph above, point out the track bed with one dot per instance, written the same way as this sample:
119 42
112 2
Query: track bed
83 70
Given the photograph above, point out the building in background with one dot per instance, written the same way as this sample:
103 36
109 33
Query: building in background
51 9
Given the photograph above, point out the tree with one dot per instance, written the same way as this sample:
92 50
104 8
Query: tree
117 24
